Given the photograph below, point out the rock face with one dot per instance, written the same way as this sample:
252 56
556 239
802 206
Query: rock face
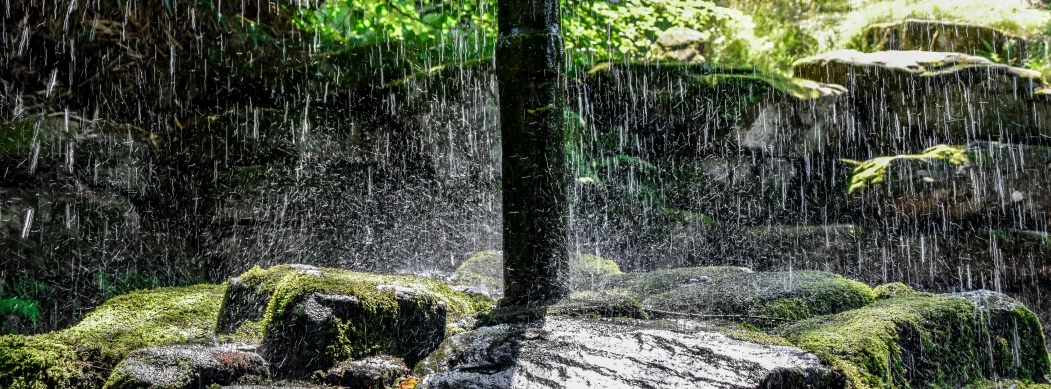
983 184
185 367
946 36
577 353
913 99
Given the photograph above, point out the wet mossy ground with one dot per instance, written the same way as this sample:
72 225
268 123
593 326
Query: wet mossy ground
81 356
923 341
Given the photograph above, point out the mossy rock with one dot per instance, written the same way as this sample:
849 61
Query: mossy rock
894 289
315 317
71 358
926 341
764 298
245 301
484 271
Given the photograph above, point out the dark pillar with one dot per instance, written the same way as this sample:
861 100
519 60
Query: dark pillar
529 62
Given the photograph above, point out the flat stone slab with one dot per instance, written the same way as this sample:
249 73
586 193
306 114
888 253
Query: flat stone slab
588 353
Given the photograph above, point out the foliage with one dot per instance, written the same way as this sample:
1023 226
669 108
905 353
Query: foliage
598 31
20 298
874 171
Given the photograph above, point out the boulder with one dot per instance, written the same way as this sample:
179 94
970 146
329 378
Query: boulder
316 318
927 341
912 99
946 36
680 44
763 298
583 353
186 366
376 372
978 185
246 299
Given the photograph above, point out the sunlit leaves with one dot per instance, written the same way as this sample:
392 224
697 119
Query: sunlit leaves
594 30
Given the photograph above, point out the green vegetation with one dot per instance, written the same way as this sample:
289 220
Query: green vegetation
921 341
895 289
80 355
765 298
874 171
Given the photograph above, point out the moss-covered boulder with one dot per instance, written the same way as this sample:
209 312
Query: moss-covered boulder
484 271
246 299
946 36
912 99
764 297
315 317
928 341
71 358
186 367
971 185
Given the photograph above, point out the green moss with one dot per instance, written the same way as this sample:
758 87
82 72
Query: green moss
895 289
375 329
1007 384
19 137
874 171
910 341
765 298
73 357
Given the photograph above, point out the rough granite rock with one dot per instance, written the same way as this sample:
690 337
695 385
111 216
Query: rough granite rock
913 99
979 185
578 353
946 36
319 317
375 372
186 367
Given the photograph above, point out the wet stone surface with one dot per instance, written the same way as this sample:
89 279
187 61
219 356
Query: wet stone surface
577 353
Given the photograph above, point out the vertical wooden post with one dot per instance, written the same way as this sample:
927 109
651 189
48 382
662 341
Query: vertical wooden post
530 57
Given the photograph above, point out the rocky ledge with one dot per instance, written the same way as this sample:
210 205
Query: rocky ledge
295 326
